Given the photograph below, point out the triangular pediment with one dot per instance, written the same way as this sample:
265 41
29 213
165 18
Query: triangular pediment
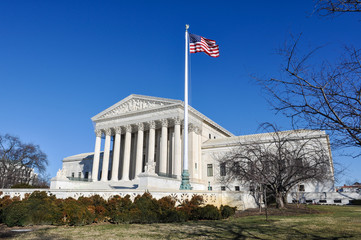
133 104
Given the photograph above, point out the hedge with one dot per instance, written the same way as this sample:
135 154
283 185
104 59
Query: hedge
40 208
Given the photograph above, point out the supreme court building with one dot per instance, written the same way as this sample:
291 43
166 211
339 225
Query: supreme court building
138 147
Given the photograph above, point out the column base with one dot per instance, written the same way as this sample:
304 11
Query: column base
185 185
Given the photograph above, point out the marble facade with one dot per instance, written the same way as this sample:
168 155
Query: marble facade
138 147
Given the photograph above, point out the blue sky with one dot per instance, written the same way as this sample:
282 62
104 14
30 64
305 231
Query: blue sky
62 62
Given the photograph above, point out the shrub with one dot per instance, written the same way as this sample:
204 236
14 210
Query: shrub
208 212
42 209
168 211
355 202
16 214
75 213
4 203
25 185
190 207
227 211
99 208
119 209
39 208
147 209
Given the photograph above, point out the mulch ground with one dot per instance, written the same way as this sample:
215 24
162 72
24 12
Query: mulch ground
289 210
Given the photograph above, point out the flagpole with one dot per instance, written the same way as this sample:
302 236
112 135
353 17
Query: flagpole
185 185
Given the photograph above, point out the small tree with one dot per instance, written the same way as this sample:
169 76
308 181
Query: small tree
279 163
18 160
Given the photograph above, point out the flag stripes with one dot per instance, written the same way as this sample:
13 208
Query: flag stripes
201 44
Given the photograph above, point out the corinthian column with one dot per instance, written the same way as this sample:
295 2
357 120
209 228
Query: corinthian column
127 145
151 148
139 155
177 148
108 133
116 153
95 169
163 147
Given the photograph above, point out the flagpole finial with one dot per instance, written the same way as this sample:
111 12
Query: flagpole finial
187 26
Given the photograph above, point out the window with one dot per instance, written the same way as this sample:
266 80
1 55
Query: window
214 137
223 188
86 176
323 201
195 166
79 174
301 188
210 136
223 169
210 170
236 188
337 201
72 174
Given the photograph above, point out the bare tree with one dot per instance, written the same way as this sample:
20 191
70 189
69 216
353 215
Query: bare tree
329 7
19 160
320 94
280 162
326 98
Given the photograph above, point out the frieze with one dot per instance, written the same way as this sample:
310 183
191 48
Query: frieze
133 105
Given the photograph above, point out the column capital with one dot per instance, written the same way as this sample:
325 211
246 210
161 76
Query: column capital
194 128
128 128
118 130
151 124
177 121
164 122
98 132
108 131
140 126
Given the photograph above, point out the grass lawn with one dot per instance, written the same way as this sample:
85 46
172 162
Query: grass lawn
333 222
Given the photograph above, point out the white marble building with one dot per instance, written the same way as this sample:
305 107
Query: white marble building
138 147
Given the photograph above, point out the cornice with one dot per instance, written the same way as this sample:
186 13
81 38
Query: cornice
261 138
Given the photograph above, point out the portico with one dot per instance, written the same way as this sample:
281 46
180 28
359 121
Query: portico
143 136
159 152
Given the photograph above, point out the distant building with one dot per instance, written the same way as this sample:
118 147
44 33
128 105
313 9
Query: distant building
16 174
356 187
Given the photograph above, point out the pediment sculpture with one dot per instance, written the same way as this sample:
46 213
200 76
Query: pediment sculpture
133 105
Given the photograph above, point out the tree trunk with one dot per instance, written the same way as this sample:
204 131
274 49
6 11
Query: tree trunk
280 200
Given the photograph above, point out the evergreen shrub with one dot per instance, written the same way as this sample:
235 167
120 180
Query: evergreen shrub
39 208
42 209
147 209
227 211
75 213
208 212
16 214
119 209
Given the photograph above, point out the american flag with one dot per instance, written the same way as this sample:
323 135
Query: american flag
201 44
